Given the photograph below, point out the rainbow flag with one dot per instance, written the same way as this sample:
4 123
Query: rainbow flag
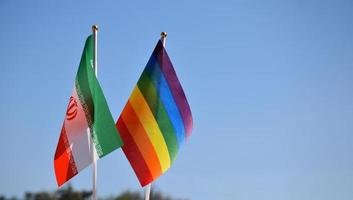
156 119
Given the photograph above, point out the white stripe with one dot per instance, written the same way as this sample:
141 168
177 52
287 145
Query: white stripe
78 135
92 145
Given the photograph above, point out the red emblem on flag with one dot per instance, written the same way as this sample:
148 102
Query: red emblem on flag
71 111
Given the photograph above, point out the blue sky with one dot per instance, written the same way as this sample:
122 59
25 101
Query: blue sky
269 84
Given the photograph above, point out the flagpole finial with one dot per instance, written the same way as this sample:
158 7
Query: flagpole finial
164 34
95 27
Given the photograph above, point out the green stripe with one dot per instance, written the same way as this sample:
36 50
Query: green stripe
152 98
102 126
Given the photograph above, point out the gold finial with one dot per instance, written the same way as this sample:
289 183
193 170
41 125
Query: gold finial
164 34
95 27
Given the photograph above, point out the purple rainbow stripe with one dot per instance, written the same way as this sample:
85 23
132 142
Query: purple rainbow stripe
179 96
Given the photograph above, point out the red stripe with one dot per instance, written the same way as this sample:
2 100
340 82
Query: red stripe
134 155
141 139
64 164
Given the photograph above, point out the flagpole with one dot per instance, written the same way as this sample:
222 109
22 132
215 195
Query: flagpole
148 187
95 33
148 191
163 38
95 67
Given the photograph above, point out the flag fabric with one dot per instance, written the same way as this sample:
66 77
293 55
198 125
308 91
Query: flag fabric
156 119
88 125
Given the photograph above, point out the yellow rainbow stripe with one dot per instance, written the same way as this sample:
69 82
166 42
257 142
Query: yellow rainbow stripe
150 125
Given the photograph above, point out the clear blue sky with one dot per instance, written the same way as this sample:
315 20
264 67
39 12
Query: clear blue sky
270 84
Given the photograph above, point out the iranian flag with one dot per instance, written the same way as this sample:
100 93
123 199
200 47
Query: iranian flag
88 131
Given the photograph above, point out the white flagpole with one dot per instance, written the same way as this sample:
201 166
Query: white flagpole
163 37
95 67
148 191
148 187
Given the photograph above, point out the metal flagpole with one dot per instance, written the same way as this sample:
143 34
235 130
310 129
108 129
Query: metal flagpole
95 67
163 37
148 187
148 191
95 32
